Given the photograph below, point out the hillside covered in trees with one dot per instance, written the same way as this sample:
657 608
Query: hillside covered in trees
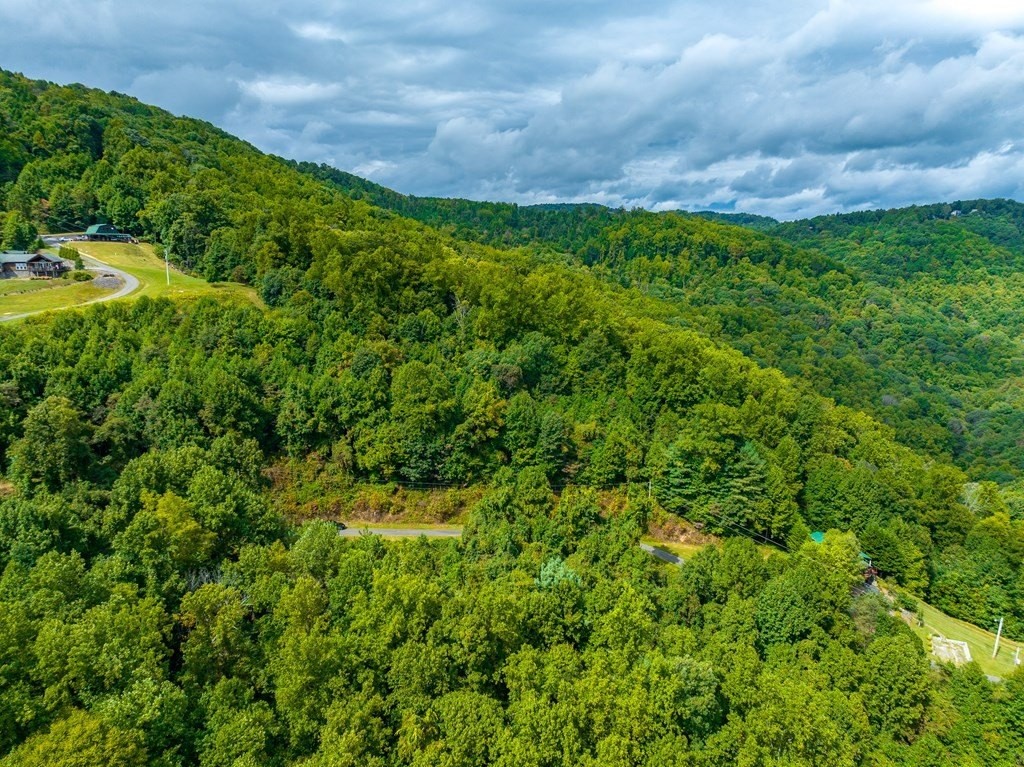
911 315
155 608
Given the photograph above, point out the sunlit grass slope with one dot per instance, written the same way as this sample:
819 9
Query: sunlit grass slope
978 639
142 262
25 296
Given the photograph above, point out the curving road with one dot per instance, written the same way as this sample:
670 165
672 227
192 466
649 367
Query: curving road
131 284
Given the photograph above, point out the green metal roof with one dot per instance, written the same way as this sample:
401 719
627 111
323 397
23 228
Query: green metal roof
102 229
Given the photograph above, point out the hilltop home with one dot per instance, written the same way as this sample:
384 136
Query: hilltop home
19 263
106 233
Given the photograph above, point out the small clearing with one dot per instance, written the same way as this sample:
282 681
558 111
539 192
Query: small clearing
951 651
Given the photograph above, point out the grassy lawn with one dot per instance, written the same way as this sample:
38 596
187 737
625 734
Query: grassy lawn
979 640
8 287
142 262
40 295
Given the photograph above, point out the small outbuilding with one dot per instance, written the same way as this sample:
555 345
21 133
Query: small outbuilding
20 263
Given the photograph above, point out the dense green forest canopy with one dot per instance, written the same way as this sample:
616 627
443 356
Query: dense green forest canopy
911 315
154 607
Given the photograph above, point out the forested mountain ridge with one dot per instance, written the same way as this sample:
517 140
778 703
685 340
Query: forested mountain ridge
945 238
155 609
910 314
956 271
935 237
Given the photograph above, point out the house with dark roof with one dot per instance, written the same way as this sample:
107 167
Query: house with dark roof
20 263
106 233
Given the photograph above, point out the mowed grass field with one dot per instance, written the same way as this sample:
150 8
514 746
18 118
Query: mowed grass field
24 296
16 287
980 641
142 262
9 287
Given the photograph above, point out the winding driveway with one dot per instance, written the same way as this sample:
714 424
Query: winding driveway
130 285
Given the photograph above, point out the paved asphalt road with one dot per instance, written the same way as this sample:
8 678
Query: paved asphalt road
414 532
131 284
661 554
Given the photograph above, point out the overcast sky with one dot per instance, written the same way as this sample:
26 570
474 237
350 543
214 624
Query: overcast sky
781 107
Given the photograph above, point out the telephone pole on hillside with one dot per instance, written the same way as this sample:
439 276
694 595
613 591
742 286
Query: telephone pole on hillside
999 633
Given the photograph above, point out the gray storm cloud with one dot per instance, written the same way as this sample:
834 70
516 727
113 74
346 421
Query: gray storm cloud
787 109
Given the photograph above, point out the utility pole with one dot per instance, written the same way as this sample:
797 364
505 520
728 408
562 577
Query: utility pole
167 268
1016 658
999 633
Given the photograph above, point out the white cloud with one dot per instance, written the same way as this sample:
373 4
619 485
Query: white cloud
320 32
289 92
982 14
785 108
373 169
